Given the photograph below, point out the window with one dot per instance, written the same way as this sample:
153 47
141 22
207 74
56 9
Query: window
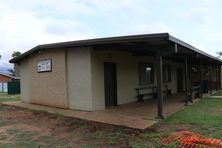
166 73
146 73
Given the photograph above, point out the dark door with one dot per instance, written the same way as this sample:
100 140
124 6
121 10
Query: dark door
110 84
179 79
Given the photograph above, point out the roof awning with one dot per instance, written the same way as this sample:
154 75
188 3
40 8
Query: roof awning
146 44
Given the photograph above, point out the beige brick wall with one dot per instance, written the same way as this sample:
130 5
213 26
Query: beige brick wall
127 76
79 78
25 80
49 88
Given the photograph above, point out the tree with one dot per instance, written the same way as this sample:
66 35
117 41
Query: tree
11 72
219 54
15 71
16 54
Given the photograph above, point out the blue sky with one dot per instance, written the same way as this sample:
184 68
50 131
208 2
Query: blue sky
27 23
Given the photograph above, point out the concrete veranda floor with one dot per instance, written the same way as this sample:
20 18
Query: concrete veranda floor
139 115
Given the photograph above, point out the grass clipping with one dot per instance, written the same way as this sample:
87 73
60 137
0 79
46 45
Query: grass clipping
185 139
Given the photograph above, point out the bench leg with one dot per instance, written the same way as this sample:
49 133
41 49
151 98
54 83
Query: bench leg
190 98
169 92
154 95
140 98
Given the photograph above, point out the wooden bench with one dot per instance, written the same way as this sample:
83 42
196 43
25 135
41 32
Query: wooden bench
196 91
167 90
150 91
145 91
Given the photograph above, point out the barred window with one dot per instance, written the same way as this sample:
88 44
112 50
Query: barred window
146 73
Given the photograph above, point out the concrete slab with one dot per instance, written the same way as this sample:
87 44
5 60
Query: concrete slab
98 116
138 115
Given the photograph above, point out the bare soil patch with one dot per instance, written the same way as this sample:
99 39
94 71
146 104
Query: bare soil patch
21 127
47 129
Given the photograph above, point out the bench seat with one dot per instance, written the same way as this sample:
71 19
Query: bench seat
150 91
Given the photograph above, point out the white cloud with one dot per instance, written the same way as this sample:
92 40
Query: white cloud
27 23
22 29
204 1
158 27
216 37
82 7
124 7
199 15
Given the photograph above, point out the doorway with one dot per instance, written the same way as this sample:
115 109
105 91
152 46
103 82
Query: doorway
180 79
110 84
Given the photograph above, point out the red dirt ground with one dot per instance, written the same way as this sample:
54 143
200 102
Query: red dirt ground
73 131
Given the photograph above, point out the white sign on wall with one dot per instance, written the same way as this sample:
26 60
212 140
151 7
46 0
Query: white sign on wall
44 65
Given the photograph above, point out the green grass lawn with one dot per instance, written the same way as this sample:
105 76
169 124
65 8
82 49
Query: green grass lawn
219 93
4 97
203 117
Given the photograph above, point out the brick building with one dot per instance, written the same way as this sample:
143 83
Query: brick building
4 78
98 73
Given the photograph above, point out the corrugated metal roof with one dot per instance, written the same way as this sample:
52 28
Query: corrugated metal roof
114 40
7 75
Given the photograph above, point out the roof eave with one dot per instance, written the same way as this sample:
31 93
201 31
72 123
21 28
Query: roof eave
182 43
7 75
90 42
109 40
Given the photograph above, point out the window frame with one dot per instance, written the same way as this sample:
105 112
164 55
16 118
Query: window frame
141 68
168 80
